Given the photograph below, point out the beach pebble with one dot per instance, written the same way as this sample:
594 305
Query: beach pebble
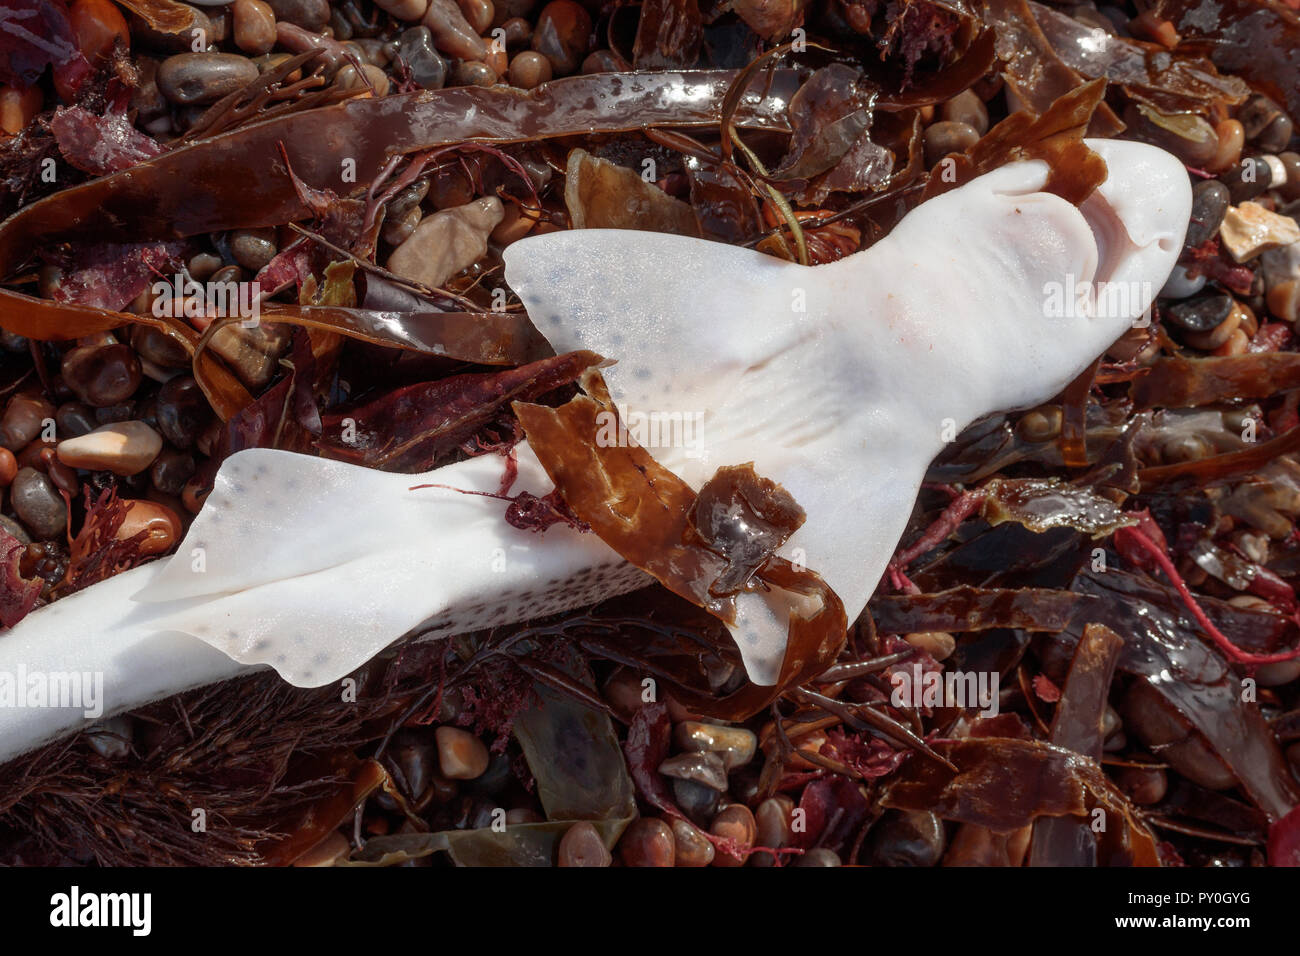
182 411
253 353
38 504
415 49
461 755
695 799
8 467
202 78
966 107
1249 229
705 769
23 419
735 822
1180 285
171 469
452 34
478 14
1247 179
772 819
562 35
906 838
647 842
735 745
1210 200
1201 314
473 73
946 137
103 375
254 27
529 69
581 845
692 847
446 242
162 525
124 448
309 14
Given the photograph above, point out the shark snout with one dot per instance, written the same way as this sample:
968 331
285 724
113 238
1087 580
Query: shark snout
1139 218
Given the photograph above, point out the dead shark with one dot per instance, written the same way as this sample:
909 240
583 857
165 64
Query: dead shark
839 381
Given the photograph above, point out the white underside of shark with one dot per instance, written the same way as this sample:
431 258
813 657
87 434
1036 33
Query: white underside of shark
839 382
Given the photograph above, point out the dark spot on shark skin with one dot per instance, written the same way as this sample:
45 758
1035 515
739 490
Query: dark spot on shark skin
320 659
642 372
280 658
261 645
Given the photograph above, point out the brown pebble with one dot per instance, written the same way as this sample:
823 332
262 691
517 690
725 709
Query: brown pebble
967 108
478 14
8 467
461 755
124 448
39 506
736 823
529 69
254 27
691 847
946 137
473 73
1231 139
162 525
562 35
647 842
581 845
19 107
202 78
24 418
452 34
102 376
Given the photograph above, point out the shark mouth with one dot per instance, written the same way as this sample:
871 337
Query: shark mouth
837 381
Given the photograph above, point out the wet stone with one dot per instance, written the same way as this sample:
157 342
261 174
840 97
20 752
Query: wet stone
735 823
171 469
309 14
581 845
562 35
161 526
23 420
451 33
529 69
696 800
906 838
415 49
182 411
124 448
201 78
946 137
461 755
1247 180
773 822
705 769
254 26
735 745
10 526
102 376
1210 201
494 779
1201 314
38 504
252 249
473 73
647 842
693 848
